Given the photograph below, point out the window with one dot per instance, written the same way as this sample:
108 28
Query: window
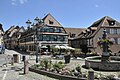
29 39
72 35
111 22
55 38
58 38
118 40
51 38
50 22
44 29
118 31
113 31
108 31
46 38
62 38
39 37
58 30
51 30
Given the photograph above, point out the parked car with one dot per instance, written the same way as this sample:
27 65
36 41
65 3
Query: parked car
2 49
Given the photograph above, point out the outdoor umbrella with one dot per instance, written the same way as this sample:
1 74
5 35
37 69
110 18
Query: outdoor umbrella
44 47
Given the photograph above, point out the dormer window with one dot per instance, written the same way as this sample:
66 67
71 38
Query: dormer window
111 23
50 22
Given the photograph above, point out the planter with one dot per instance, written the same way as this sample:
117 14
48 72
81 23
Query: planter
55 75
67 59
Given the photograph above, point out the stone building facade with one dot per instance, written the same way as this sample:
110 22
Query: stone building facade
46 32
87 40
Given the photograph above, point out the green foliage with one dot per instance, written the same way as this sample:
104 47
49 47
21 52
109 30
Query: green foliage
102 41
37 65
58 66
46 63
97 75
78 51
78 68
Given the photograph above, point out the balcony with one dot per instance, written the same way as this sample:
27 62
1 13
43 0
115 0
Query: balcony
52 42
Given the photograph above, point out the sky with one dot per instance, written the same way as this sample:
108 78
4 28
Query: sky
69 13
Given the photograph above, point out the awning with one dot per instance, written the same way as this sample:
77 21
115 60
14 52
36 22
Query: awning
70 48
44 47
62 47
57 47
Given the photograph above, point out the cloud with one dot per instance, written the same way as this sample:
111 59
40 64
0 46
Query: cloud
16 2
96 6
23 1
13 0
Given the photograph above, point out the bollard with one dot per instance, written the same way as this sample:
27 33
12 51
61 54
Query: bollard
23 58
26 68
90 75
12 61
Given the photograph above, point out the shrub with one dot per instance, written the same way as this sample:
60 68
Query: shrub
46 63
58 66
78 68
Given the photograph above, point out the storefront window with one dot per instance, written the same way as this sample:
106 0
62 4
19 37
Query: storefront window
39 37
46 37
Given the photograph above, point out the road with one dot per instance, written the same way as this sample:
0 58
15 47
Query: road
15 72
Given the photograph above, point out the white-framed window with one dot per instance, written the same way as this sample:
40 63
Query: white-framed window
108 31
113 31
118 31
118 40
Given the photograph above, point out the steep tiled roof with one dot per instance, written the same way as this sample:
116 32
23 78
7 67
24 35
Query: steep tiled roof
103 22
76 31
97 23
10 29
107 20
81 34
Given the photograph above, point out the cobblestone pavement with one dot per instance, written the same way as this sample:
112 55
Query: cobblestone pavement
12 74
15 72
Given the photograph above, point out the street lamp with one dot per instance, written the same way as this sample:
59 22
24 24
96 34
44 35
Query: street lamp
36 33
28 23
37 19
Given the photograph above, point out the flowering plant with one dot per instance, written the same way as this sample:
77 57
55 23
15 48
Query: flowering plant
109 42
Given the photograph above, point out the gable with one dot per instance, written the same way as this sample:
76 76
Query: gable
106 22
109 22
21 29
51 21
